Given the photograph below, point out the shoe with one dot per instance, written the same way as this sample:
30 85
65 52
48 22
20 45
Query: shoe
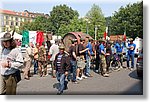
88 75
27 78
75 82
131 69
96 71
78 78
84 77
53 76
106 75
59 93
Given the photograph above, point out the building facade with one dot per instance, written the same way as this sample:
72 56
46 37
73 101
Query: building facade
12 19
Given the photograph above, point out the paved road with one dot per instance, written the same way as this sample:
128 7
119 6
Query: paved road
121 82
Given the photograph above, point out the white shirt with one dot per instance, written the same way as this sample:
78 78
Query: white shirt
14 57
54 49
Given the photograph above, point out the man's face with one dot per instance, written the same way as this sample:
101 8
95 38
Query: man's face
6 44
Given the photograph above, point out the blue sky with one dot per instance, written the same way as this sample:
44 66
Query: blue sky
83 6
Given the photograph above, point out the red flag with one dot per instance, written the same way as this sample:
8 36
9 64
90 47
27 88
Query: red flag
124 36
39 38
105 33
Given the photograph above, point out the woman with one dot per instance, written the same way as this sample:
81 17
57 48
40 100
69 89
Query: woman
11 60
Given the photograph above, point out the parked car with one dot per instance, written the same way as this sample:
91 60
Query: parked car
139 64
139 44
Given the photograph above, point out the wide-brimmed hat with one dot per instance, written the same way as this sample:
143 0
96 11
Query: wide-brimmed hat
6 37
102 40
62 47
131 39
74 40
82 39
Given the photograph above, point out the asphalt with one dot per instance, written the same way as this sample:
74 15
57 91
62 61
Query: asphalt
123 82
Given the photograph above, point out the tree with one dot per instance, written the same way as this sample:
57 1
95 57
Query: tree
61 16
129 19
96 18
40 23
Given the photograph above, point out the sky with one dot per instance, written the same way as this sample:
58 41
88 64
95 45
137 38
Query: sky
108 7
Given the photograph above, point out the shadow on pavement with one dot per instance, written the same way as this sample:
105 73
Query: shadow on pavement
133 74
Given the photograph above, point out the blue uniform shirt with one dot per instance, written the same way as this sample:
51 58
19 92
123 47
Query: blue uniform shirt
131 51
89 45
118 48
101 48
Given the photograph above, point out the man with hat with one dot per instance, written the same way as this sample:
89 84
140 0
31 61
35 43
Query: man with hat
102 54
10 61
130 54
61 65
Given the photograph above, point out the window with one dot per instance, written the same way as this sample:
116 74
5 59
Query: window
12 23
16 23
6 17
7 23
16 18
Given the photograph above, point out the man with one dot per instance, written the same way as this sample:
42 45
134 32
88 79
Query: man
28 61
130 54
42 61
81 59
11 61
73 61
61 65
88 58
119 50
103 59
54 49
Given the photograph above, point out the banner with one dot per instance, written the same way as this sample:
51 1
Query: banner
25 38
40 37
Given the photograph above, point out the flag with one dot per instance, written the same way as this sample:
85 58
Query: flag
106 33
39 37
124 36
25 38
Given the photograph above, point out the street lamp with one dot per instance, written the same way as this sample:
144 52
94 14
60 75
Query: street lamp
96 27
87 22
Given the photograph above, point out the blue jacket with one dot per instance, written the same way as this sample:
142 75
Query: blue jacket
101 48
118 48
131 51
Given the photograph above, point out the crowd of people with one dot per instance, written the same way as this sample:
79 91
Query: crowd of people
72 65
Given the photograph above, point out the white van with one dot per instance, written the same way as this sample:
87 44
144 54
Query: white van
139 45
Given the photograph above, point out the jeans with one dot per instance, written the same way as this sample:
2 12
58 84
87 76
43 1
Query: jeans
35 66
74 69
132 60
88 64
61 78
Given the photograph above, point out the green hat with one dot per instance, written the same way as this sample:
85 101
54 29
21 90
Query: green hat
6 37
102 40
82 39
62 47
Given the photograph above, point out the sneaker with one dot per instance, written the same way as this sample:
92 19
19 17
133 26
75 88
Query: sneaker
84 77
106 75
131 69
59 93
75 82
96 71
78 78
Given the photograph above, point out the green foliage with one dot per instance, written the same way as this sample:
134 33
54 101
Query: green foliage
61 16
96 18
129 19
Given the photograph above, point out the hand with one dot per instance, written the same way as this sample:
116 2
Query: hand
4 64
66 73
